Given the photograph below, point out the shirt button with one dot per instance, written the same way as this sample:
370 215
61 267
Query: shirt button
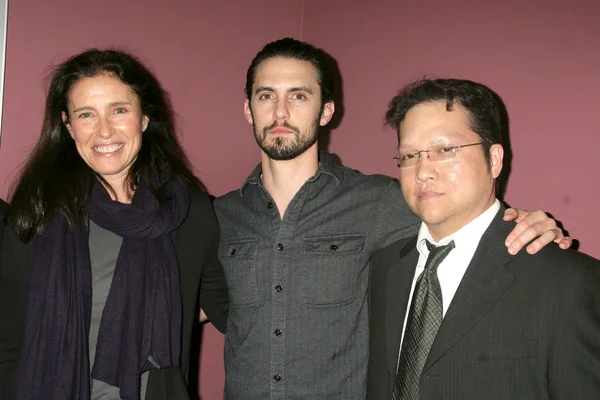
279 247
270 204
277 332
277 377
333 247
278 288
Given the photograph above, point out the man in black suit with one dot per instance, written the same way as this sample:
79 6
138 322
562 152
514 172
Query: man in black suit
2 205
452 314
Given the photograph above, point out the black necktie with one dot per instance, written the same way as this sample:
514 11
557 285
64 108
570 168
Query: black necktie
424 319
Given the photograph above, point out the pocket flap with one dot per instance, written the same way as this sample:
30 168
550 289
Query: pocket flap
335 244
238 248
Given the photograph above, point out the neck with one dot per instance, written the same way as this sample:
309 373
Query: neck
118 189
283 179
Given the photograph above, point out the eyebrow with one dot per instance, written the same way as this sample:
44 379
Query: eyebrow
264 89
449 137
116 103
291 90
301 89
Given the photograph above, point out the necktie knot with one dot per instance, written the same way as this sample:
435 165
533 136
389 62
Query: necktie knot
437 255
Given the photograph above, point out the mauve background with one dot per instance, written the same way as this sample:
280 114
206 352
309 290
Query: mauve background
541 57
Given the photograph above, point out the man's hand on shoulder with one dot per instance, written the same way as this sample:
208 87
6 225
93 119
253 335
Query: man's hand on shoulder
532 225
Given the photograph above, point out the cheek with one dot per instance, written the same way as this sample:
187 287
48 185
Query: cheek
257 119
83 149
454 177
464 179
408 186
81 136
406 178
132 128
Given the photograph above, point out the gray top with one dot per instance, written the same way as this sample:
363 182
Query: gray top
104 250
298 318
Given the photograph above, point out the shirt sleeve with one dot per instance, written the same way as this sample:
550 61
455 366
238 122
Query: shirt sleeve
395 219
214 296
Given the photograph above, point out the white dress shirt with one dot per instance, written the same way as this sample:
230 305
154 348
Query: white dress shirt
452 269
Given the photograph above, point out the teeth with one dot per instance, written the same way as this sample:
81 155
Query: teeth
108 149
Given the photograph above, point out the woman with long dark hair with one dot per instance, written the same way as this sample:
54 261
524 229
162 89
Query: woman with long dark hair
110 242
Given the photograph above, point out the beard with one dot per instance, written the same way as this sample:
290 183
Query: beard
286 148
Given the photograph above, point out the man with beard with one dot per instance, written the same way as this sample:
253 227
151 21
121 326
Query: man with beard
297 238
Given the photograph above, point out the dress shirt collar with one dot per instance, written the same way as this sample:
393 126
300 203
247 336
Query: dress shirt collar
326 166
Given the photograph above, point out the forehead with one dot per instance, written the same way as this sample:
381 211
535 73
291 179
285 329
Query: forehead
279 71
431 121
101 86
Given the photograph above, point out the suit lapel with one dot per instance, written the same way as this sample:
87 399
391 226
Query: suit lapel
485 279
399 282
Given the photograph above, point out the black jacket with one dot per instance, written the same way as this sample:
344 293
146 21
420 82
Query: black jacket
202 285
518 327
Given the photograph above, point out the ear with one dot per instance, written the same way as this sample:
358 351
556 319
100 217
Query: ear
328 110
496 159
65 121
145 122
248 112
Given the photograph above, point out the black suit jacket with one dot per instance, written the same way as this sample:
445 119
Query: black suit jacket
202 284
518 327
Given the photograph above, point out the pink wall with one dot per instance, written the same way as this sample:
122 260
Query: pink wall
199 50
542 58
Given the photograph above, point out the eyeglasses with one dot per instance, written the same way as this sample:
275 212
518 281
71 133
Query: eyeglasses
437 153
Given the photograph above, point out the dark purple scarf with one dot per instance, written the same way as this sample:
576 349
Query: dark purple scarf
142 315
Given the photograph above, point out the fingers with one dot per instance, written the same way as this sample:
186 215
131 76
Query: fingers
202 317
510 214
532 225
565 242
514 241
545 238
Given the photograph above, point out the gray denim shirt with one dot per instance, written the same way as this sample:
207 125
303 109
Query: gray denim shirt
298 318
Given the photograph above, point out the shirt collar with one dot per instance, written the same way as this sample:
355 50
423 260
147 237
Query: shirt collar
466 237
326 166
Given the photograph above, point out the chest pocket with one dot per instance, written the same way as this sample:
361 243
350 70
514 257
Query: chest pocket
239 263
331 267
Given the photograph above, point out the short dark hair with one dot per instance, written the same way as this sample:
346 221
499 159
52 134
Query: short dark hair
292 48
485 108
56 178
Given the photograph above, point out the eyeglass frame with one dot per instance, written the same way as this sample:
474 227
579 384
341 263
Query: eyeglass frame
451 148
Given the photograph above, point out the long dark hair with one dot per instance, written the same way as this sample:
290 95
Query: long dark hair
56 179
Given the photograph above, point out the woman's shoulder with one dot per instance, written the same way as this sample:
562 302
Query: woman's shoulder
201 216
199 198
200 203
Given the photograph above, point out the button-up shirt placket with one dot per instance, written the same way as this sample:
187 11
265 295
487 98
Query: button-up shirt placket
283 257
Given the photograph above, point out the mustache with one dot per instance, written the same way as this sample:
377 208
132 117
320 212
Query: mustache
276 124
